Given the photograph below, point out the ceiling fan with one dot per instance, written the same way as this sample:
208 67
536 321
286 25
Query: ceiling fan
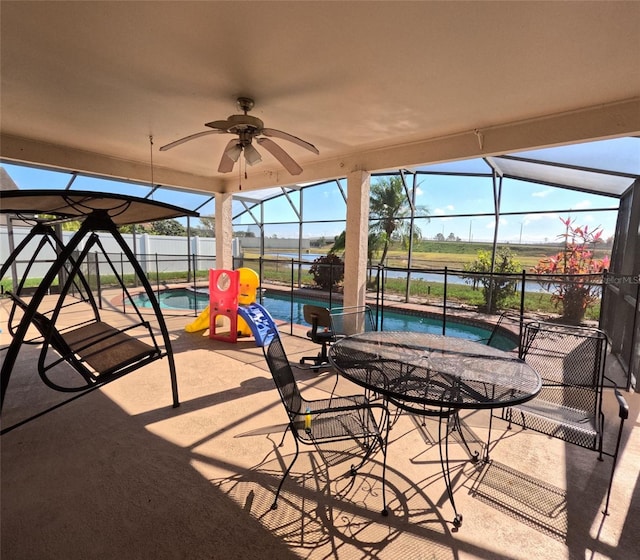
247 127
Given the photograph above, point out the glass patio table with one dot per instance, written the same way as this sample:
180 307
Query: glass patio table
435 375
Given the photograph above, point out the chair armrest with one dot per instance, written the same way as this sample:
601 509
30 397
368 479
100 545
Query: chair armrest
623 412
623 407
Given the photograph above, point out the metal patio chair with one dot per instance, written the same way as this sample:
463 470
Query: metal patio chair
326 421
571 362
351 320
510 325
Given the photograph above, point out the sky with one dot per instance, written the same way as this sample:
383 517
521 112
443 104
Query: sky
451 202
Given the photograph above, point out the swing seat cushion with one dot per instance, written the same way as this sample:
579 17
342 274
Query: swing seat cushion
105 348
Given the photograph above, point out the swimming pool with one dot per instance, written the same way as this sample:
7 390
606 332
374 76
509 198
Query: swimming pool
280 307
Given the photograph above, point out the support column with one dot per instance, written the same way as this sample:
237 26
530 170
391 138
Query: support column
357 237
224 231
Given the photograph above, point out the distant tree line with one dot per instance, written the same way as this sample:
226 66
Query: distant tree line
175 228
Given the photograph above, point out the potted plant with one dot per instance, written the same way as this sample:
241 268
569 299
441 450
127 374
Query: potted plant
576 271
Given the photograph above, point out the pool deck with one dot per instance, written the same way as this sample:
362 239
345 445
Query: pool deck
119 473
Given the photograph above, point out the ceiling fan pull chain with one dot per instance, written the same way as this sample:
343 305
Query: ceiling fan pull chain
151 163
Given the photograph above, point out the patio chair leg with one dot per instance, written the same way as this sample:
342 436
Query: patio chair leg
286 473
382 442
283 436
613 468
383 446
354 469
486 454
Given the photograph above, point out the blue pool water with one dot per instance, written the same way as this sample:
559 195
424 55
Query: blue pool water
280 307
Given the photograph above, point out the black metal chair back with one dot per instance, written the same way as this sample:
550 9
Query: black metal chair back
283 377
571 361
351 320
507 330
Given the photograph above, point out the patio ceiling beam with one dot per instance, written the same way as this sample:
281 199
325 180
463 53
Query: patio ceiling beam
74 160
600 122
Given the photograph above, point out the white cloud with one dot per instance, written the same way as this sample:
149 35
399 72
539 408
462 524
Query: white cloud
582 204
542 194
532 218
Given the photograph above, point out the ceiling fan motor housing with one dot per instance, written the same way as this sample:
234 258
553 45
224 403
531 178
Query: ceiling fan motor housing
238 123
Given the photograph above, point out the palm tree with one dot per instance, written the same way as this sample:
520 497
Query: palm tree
373 246
389 209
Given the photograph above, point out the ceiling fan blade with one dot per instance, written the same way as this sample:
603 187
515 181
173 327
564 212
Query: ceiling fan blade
229 156
283 157
222 126
187 138
291 138
252 155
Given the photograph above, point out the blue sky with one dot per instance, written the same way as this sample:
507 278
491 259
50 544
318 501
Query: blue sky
449 201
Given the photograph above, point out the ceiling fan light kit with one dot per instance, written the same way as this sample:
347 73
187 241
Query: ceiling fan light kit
248 128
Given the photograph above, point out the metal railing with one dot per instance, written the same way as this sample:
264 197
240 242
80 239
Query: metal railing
442 290
446 293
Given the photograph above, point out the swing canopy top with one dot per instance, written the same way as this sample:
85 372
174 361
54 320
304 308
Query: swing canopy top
122 209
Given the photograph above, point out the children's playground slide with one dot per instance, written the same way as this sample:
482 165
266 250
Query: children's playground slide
260 322
252 318
257 318
201 323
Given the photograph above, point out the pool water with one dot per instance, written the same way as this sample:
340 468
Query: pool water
280 307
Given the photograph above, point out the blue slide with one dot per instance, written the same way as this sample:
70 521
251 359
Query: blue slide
260 322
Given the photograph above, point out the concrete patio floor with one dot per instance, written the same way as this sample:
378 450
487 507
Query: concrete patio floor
119 473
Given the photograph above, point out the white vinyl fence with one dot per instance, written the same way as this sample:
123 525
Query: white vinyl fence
161 253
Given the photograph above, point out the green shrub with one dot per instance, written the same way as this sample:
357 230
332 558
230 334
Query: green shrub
327 271
497 290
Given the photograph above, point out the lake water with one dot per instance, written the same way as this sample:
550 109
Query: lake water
533 287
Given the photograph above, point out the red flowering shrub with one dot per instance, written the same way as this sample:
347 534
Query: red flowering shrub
576 282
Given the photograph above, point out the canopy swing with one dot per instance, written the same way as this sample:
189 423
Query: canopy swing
48 238
95 351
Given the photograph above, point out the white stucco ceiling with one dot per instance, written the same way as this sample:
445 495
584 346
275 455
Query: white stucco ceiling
374 85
